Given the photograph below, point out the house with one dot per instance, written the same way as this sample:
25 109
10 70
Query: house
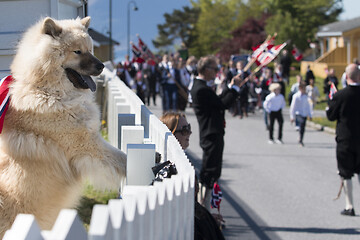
12 26
339 46
101 45
17 15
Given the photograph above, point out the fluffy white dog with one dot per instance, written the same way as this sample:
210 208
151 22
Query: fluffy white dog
50 142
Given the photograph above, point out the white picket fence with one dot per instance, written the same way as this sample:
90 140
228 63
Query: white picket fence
164 210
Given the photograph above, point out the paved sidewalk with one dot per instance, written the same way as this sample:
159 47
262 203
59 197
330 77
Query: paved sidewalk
278 191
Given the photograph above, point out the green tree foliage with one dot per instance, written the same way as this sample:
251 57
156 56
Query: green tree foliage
248 35
178 25
298 20
216 20
205 27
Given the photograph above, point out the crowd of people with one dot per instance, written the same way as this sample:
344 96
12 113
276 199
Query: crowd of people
210 88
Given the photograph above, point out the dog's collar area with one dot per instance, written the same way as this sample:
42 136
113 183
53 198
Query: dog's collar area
80 81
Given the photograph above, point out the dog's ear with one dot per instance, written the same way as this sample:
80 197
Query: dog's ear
50 28
86 22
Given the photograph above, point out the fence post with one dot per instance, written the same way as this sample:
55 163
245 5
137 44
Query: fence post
124 119
140 160
100 224
131 135
68 226
24 227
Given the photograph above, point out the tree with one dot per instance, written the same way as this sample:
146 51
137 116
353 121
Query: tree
250 34
178 25
298 20
216 20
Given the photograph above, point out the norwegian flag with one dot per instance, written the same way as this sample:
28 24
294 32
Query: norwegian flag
266 57
216 196
333 90
4 98
296 53
265 46
137 54
148 55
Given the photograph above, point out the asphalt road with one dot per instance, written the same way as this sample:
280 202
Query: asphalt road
278 191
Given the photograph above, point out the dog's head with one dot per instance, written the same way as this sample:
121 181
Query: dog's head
76 46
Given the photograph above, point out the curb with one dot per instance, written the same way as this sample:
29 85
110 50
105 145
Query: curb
320 127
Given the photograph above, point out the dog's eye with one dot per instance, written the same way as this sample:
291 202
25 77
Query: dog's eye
77 52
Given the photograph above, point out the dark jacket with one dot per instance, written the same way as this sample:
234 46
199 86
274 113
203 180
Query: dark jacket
205 225
210 108
345 108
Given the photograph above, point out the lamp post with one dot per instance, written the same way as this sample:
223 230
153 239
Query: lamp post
128 24
110 30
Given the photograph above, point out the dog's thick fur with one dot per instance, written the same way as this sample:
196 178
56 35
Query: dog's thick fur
50 142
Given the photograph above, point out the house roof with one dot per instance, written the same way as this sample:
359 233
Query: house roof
101 38
338 28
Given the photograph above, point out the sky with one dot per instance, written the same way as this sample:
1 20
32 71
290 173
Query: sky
150 13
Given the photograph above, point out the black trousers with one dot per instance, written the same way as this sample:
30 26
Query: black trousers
276 116
348 158
302 123
213 147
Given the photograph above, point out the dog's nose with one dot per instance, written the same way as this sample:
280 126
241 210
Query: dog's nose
99 66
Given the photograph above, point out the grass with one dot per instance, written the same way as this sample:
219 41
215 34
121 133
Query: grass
90 197
324 122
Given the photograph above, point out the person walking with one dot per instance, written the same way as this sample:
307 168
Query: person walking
273 104
300 110
344 107
210 113
313 93
265 82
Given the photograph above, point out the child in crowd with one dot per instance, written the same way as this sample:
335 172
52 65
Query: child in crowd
300 109
273 104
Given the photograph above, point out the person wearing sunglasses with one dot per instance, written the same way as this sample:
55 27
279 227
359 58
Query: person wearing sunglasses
178 125
206 225
210 113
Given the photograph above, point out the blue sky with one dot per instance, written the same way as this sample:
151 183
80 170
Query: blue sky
150 13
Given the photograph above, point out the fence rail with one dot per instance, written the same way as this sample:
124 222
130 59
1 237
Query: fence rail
164 210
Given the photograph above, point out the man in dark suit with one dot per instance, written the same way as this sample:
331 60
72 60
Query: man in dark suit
210 113
345 108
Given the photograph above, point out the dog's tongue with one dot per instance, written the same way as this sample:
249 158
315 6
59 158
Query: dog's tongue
91 84
80 81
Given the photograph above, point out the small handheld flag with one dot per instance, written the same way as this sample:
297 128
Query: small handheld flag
333 90
296 53
4 98
216 196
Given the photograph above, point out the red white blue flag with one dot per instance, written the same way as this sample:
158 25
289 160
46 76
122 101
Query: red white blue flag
216 196
296 53
333 90
137 54
266 57
148 55
265 46
4 98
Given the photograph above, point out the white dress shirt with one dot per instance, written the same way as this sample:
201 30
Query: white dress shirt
300 106
274 103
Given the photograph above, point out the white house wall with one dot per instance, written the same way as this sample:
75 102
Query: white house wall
17 16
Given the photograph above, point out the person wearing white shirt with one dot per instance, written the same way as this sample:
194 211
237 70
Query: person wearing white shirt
273 104
300 110
313 93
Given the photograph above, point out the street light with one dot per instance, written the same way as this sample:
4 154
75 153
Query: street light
128 25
